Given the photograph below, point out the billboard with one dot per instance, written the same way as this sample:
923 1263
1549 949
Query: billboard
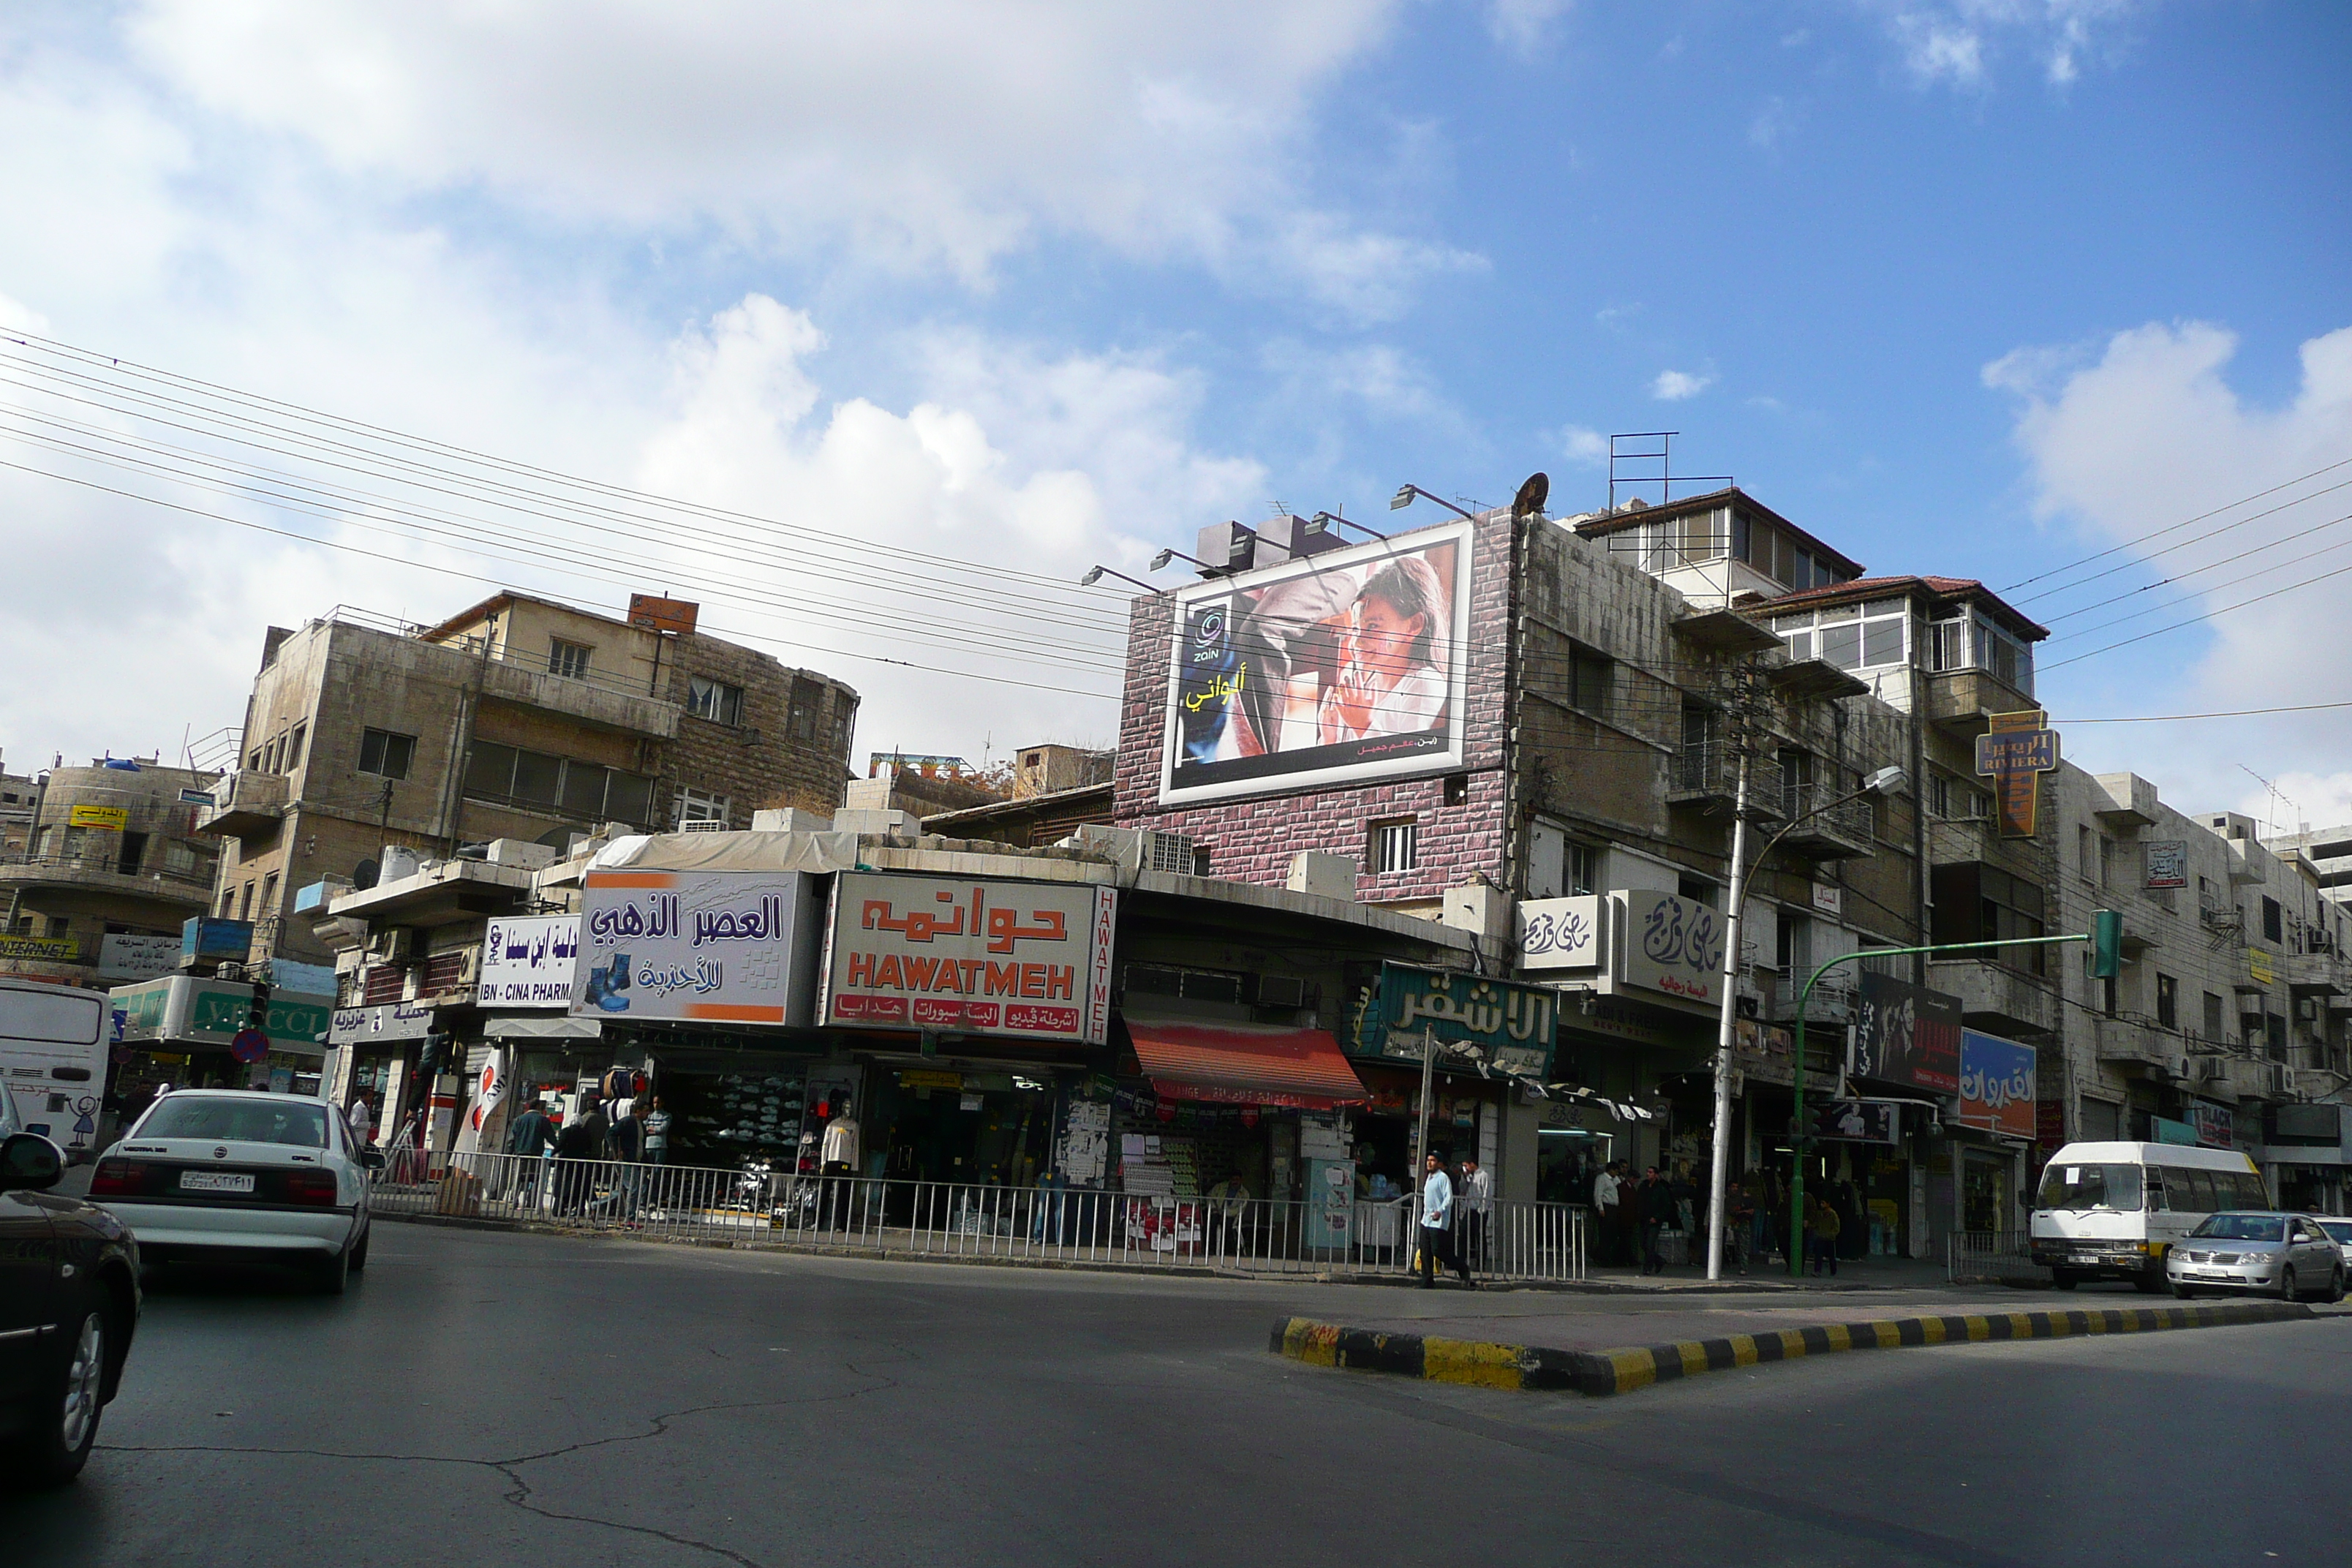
2167 862
128 957
184 1009
1909 1035
708 946
970 954
1560 934
1996 1085
1672 945
527 960
1337 669
1857 1122
1507 1025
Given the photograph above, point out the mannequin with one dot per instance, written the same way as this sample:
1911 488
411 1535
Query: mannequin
839 1159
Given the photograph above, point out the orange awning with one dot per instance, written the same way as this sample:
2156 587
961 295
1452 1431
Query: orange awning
1245 1064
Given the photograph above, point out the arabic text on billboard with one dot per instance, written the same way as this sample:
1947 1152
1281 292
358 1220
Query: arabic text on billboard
1672 945
1343 666
1997 1084
716 946
1560 934
1909 1035
970 955
1511 1027
527 960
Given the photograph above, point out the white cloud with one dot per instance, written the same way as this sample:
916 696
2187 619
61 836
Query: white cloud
1773 123
2146 433
1675 385
1585 449
1525 27
1957 42
919 134
2303 800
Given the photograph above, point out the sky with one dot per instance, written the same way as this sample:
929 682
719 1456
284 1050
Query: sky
876 326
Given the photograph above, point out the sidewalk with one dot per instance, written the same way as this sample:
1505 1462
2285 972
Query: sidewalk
1854 1274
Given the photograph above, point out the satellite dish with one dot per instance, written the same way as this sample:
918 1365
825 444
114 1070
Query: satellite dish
363 876
1529 502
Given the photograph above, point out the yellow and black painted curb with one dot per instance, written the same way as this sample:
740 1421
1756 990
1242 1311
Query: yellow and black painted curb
1486 1365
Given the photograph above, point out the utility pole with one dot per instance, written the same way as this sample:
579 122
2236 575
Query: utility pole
1720 1165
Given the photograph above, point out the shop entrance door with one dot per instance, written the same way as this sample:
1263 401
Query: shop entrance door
1984 1195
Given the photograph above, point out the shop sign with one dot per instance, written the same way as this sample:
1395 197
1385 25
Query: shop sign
1829 899
716 946
108 819
1605 1016
1560 934
202 936
2050 1124
1858 1121
1997 1084
527 960
921 1078
1672 945
128 957
2015 751
2214 1124
1511 1027
969 954
2167 862
384 1021
2260 967
45 948
182 1007
1765 1052
1909 1035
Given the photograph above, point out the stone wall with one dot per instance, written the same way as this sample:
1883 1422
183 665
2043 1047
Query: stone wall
791 748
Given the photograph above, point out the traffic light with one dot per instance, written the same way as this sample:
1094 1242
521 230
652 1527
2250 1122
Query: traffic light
2107 944
259 1016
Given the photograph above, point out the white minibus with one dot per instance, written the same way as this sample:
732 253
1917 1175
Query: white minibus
53 1060
2109 1211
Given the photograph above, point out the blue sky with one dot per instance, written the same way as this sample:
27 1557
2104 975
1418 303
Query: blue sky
1973 286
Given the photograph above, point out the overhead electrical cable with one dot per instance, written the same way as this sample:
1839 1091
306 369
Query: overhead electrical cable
2176 527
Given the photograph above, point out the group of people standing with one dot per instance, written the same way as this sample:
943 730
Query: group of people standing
1633 1214
1454 1210
632 1135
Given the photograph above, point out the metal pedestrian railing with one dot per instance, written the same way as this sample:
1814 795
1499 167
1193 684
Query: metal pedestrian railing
1990 1254
1519 1242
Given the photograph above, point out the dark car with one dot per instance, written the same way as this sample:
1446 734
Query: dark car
68 1306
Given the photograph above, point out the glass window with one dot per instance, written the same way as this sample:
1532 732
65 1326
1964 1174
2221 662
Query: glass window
2100 1186
2242 1228
385 753
1583 868
1588 681
628 798
301 1123
715 700
569 659
539 778
294 746
694 805
1883 641
1396 847
490 769
1842 645
583 790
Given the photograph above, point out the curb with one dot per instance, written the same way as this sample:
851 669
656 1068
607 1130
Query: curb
1481 1364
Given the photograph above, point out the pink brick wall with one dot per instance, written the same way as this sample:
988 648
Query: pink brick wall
1253 839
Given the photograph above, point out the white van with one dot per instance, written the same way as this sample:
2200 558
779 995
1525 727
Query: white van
53 1060
2109 1211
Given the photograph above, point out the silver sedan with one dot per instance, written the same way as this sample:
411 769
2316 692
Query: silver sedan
2285 1255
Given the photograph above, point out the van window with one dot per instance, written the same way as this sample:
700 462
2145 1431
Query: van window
2189 1192
2240 1189
2080 1186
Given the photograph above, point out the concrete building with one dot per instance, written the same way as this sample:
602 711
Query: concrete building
115 865
519 719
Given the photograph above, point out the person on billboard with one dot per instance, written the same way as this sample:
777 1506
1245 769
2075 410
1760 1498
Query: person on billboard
1392 649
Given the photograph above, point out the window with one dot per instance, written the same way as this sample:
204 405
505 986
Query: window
294 744
1976 902
694 805
586 793
268 895
1792 952
134 850
2212 1017
1851 637
245 904
1588 681
1583 868
1948 645
77 842
2106 861
1457 789
179 859
845 713
2274 925
569 659
2275 1027
1695 890
715 700
1200 859
808 701
385 754
2086 859
2168 1001
1396 847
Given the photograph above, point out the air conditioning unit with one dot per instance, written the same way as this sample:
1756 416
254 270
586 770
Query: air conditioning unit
708 825
1169 852
2212 1069
2279 1077
393 944
1281 991
2307 1009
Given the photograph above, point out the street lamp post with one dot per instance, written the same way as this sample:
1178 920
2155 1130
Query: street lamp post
1884 781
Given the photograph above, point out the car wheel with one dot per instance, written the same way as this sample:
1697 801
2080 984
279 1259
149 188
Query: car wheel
2063 1279
2149 1281
2335 1288
359 1253
2184 1290
54 1452
2289 1290
335 1273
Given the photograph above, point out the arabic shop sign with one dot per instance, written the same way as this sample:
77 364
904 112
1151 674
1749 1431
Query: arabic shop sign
1997 1084
1674 946
2014 753
974 955
2166 861
384 1021
182 1008
715 946
1909 1035
527 960
1560 934
1509 1026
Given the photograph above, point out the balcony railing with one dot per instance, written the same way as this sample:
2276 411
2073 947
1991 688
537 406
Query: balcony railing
1825 826
104 871
1708 772
245 803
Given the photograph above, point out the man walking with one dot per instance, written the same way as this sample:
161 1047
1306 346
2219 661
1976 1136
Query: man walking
529 1137
628 1143
1477 1202
363 1122
1657 1217
1607 1194
1437 1224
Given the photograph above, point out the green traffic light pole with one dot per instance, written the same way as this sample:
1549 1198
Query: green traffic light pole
2106 936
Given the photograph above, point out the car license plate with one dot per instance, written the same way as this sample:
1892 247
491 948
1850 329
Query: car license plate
215 1180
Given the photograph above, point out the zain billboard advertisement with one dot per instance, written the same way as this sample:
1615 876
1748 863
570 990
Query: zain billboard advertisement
1337 669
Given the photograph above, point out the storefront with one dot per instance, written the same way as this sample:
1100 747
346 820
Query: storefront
181 1032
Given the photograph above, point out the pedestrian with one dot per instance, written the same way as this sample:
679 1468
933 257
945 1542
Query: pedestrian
1606 1195
1738 1224
1437 1224
529 1137
1656 1218
363 1122
658 1133
1822 1229
627 1140
579 1144
1477 1203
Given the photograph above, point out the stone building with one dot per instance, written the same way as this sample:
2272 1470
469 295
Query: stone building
517 719
114 865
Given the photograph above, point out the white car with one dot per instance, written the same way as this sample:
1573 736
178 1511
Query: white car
2339 1231
242 1175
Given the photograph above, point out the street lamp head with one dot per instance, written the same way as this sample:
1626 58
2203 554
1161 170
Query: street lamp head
1160 561
1094 575
1886 781
1403 499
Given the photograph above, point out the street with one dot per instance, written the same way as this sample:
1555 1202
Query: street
486 1398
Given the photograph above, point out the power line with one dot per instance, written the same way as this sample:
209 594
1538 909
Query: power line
2198 570
2177 527
2229 714
2192 620
2172 603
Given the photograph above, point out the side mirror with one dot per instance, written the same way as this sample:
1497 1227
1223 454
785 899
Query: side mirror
371 1157
30 1163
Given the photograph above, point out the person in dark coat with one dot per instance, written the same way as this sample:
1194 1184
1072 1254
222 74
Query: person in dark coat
1658 1215
578 1146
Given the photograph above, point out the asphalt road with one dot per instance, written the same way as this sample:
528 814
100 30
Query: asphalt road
490 1399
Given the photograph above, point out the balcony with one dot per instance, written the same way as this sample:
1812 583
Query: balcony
1999 1000
1961 701
2316 974
1822 826
188 891
528 683
1706 774
2140 1044
446 892
1835 999
2250 864
246 804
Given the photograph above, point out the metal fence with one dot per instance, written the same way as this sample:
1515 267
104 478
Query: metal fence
1990 1254
1519 1242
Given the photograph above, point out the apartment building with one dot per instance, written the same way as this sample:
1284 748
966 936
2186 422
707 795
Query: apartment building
519 719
